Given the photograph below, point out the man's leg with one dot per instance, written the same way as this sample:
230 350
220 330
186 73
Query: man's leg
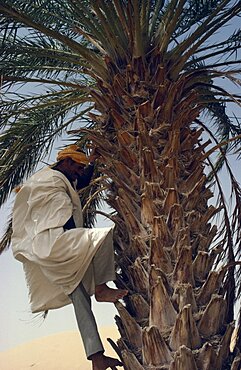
103 265
88 330
104 262
86 321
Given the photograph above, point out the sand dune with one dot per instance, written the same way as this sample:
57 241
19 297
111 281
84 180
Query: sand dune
62 351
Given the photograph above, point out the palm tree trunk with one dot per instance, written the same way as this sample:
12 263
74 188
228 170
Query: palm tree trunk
175 316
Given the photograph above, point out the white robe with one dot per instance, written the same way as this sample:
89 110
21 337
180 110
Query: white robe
54 260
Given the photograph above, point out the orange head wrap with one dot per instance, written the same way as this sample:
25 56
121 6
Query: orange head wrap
73 152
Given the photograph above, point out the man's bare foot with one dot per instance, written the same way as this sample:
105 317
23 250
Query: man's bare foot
101 362
105 294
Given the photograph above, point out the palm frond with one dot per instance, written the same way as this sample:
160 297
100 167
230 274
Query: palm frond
226 239
92 198
5 240
230 231
232 41
29 138
26 58
191 44
12 12
225 128
193 13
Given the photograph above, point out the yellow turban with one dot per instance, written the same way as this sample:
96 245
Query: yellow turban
73 152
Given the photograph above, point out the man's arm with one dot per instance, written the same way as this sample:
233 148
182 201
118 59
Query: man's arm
70 224
84 180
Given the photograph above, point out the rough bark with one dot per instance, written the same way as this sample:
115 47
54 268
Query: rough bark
160 353
174 316
185 331
183 360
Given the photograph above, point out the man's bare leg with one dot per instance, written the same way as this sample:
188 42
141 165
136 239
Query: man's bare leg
105 294
101 362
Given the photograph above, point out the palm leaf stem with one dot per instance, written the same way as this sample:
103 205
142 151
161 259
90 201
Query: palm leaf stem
94 30
211 55
23 18
90 39
6 238
224 64
107 215
232 39
121 15
156 13
232 264
200 75
138 42
88 21
60 55
197 35
45 81
51 103
202 29
25 99
58 114
222 92
71 120
115 49
167 29
17 111
204 102
213 149
233 99
214 26
118 29
217 143
229 284
95 181
93 196
42 69
144 20
230 172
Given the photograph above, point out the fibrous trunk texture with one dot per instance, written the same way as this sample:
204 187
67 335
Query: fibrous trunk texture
174 317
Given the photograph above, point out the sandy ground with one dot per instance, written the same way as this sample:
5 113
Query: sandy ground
62 351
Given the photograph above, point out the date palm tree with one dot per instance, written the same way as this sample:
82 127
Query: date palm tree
142 81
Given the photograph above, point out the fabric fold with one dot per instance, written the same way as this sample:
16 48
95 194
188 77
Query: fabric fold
54 260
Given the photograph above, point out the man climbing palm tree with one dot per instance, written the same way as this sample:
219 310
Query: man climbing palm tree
62 260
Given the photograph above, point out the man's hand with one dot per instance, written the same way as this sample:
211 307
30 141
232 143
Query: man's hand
94 155
101 362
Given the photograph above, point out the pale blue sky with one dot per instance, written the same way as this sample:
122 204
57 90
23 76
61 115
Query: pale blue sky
18 325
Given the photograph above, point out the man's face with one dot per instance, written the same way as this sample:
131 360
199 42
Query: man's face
74 169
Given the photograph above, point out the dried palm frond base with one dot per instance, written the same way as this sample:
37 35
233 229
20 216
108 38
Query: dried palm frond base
176 316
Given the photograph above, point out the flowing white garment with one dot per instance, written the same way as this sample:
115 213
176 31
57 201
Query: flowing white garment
54 260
